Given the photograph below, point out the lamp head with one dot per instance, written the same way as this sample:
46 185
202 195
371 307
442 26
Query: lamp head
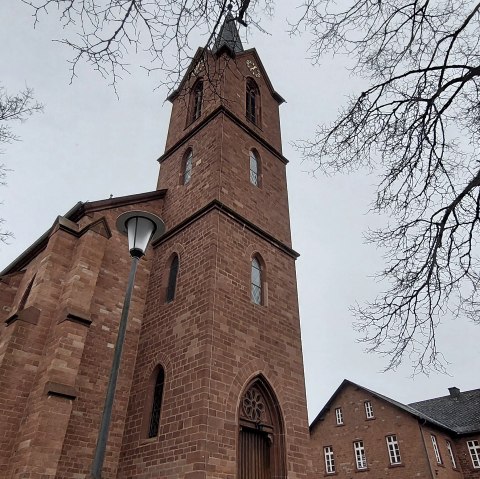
141 228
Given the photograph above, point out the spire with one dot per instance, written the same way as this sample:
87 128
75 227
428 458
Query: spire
228 37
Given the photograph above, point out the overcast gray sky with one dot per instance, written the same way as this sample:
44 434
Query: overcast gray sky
88 144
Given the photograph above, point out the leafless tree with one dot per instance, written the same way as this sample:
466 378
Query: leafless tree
104 33
417 126
16 107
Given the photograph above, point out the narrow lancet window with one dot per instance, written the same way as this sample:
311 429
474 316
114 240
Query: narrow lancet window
172 280
254 173
197 97
188 165
157 403
256 281
252 101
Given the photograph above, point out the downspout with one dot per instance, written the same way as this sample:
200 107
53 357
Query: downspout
432 475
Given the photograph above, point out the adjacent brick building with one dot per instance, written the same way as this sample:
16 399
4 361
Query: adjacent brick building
211 382
362 432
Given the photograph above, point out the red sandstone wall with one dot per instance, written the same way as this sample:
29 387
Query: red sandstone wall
175 335
268 126
211 340
221 171
184 200
54 370
266 205
181 123
225 83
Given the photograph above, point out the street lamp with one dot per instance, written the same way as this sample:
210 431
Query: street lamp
141 228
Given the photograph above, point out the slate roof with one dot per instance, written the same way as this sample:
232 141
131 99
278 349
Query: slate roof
460 411
228 36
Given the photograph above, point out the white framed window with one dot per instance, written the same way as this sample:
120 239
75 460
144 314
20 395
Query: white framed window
360 457
329 459
339 416
393 450
435 449
369 410
474 449
450 453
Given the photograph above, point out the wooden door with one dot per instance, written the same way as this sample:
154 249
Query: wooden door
254 455
261 446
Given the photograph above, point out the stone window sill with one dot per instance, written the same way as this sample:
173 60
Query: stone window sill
27 315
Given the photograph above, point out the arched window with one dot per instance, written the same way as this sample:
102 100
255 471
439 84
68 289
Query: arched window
172 279
254 169
187 167
261 442
256 281
196 101
156 403
252 101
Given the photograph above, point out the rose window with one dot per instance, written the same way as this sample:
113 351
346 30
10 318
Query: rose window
253 406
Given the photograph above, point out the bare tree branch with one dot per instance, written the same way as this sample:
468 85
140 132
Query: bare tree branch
417 127
106 33
16 107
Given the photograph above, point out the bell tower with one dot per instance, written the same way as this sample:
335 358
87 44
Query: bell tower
218 385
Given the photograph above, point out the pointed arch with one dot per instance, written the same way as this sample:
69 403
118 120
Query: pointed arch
155 400
187 166
252 100
257 279
255 167
172 278
261 439
196 99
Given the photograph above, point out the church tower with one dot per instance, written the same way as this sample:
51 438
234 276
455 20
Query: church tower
211 383
221 334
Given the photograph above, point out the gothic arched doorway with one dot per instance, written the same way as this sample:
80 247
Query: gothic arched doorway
261 440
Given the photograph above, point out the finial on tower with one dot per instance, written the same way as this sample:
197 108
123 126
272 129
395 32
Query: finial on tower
228 38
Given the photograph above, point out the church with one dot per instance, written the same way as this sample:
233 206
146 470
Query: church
211 381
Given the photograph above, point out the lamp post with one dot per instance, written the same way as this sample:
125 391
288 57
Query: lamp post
141 228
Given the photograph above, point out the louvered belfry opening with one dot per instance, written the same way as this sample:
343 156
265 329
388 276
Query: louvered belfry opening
261 441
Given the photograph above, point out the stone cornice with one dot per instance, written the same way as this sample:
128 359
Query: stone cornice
231 116
216 205
82 209
68 224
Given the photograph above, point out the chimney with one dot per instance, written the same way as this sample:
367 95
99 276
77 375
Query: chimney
454 392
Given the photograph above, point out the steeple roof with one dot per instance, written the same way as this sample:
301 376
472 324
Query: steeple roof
228 37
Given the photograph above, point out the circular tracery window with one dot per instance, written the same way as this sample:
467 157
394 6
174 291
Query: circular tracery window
253 406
